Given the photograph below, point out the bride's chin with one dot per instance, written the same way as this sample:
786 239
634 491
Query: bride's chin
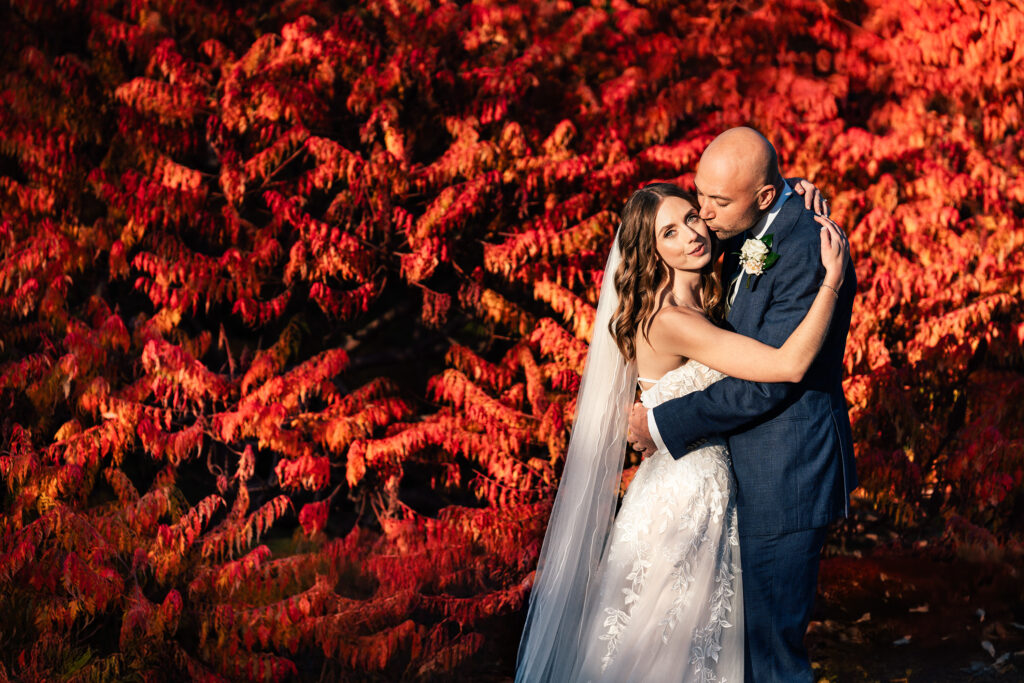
697 267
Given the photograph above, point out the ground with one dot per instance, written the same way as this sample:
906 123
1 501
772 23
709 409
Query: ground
907 617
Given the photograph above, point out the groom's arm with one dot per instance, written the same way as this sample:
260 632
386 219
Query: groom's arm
683 423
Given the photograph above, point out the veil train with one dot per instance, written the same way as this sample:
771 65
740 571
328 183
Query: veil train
584 508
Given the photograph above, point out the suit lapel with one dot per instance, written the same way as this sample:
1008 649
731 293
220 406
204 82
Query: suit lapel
730 263
731 248
783 224
788 216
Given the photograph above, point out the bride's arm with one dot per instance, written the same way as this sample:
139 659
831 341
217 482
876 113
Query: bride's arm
691 335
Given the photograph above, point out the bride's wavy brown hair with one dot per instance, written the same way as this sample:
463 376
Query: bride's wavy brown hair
642 273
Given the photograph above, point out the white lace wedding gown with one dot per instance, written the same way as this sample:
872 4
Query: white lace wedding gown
668 602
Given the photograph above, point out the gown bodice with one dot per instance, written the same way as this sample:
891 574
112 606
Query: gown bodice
689 377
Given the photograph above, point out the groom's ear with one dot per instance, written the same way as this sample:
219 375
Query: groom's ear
766 195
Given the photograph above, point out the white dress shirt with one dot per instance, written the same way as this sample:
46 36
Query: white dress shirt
759 229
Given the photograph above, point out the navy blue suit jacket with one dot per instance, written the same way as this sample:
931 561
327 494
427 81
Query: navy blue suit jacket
791 444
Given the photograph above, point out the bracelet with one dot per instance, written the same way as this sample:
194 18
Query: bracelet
834 290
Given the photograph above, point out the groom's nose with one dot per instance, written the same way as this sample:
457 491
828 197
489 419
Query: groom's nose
705 211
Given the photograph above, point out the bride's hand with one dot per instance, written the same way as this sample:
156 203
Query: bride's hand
835 252
813 199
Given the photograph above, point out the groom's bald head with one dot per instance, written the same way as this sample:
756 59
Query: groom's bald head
749 154
737 181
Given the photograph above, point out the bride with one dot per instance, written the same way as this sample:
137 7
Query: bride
654 593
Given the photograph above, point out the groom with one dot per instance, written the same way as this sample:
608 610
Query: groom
791 444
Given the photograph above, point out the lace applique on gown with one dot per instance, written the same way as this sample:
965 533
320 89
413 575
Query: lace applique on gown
667 604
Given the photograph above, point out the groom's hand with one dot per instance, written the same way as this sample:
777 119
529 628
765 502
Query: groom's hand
638 435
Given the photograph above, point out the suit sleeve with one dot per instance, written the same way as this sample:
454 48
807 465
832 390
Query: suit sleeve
684 423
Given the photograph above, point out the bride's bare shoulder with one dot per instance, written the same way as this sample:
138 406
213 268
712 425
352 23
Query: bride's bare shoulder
671 318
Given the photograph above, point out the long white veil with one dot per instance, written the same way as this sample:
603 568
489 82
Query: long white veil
584 508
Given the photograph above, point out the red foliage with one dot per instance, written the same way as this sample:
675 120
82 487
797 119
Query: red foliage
294 302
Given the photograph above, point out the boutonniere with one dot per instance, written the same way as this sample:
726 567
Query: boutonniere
756 256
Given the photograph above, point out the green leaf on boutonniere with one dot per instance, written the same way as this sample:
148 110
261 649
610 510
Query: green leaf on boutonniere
772 257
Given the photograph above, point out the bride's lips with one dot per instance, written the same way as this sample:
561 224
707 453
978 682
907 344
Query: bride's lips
699 251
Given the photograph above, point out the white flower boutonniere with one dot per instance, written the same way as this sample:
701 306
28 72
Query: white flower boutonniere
756 256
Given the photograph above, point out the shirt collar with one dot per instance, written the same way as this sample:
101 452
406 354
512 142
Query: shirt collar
765 221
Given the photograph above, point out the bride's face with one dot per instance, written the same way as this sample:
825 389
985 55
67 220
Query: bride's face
681 237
